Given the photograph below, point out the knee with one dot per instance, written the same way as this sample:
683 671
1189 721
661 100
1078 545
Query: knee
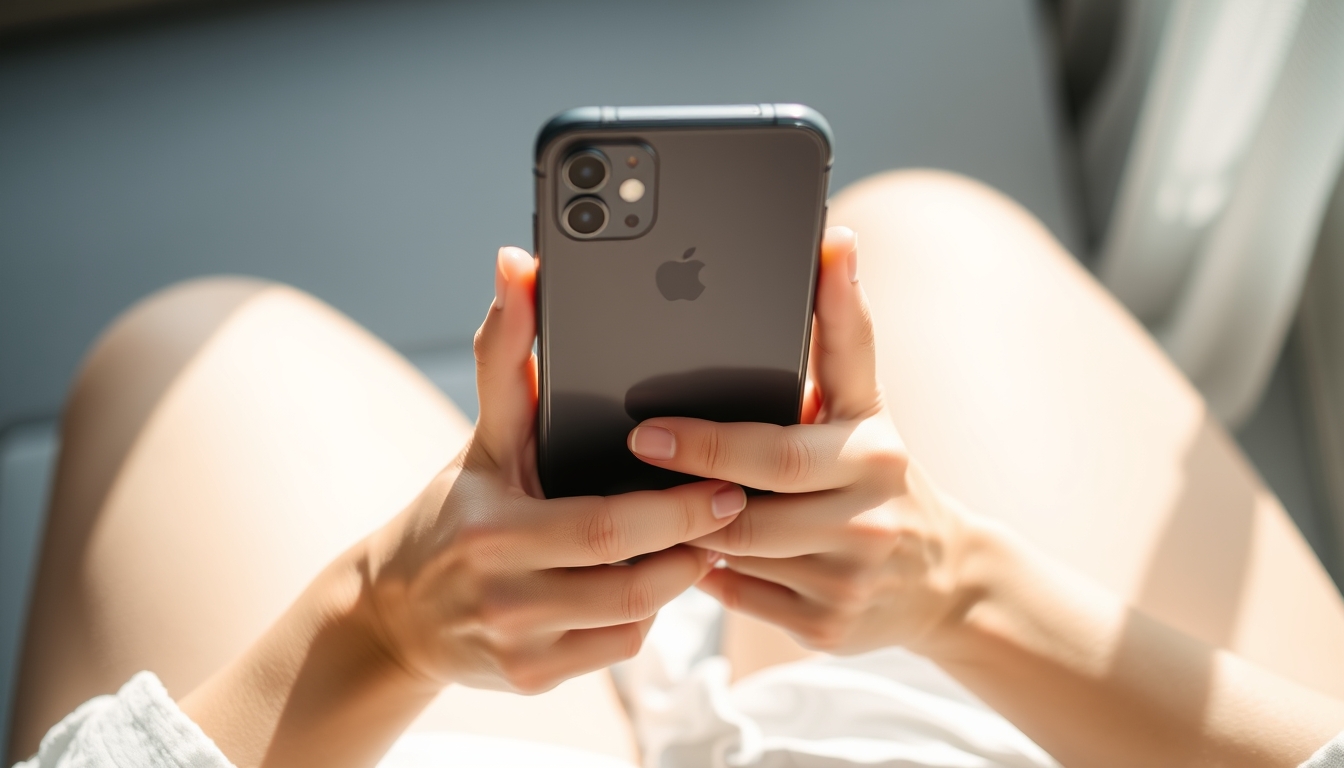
943 215
934 196
144 348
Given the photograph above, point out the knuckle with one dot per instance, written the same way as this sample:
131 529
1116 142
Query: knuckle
484 544
533 683
688 516
888 464
827 634
738 535
522 674
489 605
499 609
512 670
793 458
712 450
601 535
849 590
730 595
637 600
631 640
478 346
874 531
491 611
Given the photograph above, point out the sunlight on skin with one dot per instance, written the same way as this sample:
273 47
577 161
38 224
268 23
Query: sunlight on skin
1089 441
285 437
1016 382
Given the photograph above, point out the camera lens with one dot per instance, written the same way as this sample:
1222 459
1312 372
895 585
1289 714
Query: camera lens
586 170
585 217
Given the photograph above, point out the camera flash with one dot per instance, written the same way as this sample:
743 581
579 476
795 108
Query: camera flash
632 190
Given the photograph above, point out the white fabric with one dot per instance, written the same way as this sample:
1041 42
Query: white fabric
465 750
1329 756
888 708
140 726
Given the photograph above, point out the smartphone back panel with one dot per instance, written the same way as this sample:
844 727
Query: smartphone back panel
702 307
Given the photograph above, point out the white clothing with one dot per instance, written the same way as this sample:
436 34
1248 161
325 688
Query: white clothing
140 726
1329 756
888 709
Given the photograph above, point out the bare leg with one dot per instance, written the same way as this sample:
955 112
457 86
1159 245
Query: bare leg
1033 397
225 440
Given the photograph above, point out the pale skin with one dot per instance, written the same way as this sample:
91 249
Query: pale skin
859 550
479 582
862 547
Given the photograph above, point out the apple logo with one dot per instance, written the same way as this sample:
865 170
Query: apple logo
680 279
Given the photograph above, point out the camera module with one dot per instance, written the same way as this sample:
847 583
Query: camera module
585 217
586 171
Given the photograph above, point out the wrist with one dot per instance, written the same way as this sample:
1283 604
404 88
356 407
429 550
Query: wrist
319 687
353 694
979 555
1011 603
396 608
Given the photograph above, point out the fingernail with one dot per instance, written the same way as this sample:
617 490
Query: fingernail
653 443
854 260
521 260
728 500
501 280
712 557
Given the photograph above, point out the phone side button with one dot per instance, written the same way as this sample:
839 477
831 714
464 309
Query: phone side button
534 235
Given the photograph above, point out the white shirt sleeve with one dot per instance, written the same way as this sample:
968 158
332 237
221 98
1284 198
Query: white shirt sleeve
140 726
1329 756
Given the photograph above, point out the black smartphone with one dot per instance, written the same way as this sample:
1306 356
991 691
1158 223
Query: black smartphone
678 251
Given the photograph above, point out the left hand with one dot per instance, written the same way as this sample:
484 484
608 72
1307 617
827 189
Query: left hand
855 550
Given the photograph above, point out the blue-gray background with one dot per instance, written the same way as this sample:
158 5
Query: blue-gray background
376 153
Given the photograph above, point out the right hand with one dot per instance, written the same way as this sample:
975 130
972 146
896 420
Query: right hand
483 582
855 549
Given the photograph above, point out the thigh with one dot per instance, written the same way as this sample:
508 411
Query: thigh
225 439
1034 397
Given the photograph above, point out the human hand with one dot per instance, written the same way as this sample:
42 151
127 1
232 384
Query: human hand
856 550
481 581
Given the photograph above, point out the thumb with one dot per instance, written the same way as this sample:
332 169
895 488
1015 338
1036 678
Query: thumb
506 380
844 356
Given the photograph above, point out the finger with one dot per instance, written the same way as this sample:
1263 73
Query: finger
607 595
845 355
794 459
765 600
593 530
819 578
792 525
578 652
505 368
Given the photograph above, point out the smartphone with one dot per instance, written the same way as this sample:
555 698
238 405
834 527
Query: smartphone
678 252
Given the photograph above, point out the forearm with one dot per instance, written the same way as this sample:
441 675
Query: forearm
316 689
1097 683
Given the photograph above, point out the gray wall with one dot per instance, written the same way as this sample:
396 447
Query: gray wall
376 153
